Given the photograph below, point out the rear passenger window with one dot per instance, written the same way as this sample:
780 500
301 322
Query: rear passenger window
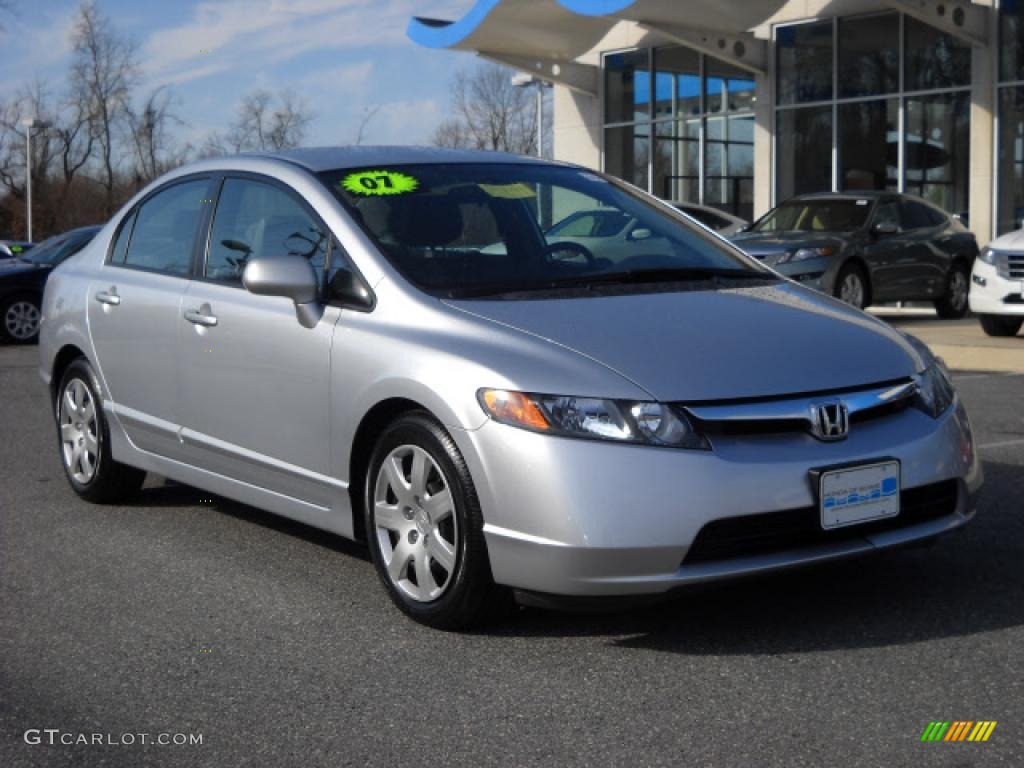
165 229
256 220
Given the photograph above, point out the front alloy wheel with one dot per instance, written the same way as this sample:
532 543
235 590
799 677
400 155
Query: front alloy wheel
851 289
425 528
416 527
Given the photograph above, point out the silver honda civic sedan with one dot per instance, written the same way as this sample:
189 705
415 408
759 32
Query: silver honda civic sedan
385 344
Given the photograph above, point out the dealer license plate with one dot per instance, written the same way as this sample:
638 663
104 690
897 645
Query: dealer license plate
859 494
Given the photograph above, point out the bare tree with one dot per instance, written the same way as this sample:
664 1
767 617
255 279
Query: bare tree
104 70
369 114
150 130
265 123
489 112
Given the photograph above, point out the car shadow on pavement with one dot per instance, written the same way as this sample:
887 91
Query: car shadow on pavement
168 494
966 583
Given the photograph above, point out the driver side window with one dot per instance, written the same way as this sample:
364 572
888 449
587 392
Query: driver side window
256 220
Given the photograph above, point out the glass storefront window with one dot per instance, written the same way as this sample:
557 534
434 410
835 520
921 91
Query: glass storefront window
937 149
804 62
627 87
934 59
804 158
869 145
729 164
869 55
626 153
727 88
676 82
1011 160
677 160
1011 40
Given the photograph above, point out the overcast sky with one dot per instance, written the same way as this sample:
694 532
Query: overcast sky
342 56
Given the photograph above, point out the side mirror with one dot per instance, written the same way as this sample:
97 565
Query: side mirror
291 277
641 233
884 229
742 228
350 290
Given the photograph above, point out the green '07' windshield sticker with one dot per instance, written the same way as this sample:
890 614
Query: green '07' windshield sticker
379 183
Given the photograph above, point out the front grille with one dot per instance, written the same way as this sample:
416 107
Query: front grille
1014 298
1014 266
793 529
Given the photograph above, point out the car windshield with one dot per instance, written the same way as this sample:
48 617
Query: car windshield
816 216
465 230
56 248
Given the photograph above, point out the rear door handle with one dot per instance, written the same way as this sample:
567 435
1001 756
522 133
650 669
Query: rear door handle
109 297
202 316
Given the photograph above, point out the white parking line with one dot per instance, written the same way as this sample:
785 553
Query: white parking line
1004 444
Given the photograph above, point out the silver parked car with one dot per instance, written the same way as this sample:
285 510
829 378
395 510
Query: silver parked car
323 334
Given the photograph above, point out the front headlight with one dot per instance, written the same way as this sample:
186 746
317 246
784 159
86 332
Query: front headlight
935 389
594 418
988 256
804 254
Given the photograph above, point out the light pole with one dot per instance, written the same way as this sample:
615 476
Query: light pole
28 123
523 80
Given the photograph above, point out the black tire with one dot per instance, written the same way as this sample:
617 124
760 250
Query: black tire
1001 325
19 318
110 481
954 305
469 593
853 272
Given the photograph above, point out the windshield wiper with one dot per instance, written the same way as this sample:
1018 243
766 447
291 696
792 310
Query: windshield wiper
661 275
624 277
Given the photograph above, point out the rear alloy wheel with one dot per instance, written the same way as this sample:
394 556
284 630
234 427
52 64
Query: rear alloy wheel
424 525
954 305
1000 325
852 286
85 440
21 317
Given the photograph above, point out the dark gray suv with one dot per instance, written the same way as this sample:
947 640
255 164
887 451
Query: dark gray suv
867 248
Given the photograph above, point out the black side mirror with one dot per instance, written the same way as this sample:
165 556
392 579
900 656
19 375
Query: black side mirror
884 229
347 288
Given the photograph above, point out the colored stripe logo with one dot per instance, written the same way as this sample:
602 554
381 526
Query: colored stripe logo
958 730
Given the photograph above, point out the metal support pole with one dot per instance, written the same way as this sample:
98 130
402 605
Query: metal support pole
540 119
28 178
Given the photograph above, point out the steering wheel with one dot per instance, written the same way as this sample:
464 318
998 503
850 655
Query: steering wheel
568 245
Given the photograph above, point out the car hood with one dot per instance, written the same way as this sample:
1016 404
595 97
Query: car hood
1014 241
712 345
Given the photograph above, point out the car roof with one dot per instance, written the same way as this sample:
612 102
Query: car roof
319 159
866 194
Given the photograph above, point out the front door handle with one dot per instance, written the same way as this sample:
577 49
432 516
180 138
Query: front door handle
110 298
203 316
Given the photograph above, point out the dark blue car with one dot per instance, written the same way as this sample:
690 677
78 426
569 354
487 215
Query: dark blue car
23 277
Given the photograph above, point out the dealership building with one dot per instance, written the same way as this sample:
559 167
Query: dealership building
740 104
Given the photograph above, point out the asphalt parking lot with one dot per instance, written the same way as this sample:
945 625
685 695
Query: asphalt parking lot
183 613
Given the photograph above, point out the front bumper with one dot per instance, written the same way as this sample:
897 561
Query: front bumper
585 518
994 295
818 273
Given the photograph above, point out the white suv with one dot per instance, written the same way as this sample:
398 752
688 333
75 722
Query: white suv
997 285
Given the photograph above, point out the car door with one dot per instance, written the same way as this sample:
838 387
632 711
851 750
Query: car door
133 309
883 250
917 263
254 383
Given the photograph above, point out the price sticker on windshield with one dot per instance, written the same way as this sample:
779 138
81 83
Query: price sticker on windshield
373 183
